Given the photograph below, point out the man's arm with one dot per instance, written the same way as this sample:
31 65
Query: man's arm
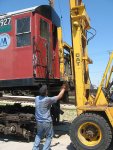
60 95
63 89
54 99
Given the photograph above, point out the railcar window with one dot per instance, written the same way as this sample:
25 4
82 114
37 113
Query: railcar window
44 29
23 32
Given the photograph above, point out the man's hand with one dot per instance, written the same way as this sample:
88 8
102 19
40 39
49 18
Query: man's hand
65 86
62 91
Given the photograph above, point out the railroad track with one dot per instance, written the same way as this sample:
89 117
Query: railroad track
24 100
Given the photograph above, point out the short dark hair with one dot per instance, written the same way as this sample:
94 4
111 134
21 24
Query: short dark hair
43 90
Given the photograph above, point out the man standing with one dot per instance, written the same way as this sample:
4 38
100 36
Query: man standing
43 117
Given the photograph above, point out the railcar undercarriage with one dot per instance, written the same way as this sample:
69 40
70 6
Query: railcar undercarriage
17 120
17 116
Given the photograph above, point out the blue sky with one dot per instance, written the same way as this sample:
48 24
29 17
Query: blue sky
101 16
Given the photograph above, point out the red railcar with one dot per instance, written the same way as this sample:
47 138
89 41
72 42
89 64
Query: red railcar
29 57
29 48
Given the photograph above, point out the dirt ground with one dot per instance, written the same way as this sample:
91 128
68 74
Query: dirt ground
61 140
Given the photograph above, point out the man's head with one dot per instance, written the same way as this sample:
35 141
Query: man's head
43 90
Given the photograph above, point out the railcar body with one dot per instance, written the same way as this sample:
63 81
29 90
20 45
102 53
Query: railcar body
29 48
29 57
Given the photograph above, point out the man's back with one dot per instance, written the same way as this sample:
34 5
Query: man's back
42 108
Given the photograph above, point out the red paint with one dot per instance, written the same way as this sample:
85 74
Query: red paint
17 62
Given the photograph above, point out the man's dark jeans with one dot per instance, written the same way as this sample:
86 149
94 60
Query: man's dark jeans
43 129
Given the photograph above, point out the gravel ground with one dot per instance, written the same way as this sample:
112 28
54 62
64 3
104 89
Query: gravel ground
61 141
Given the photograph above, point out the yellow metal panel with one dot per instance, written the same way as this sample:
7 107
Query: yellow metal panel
104 77
61 52
101 99
79 12
70 50
73 3
111 71
62 45
109 112
80 23
79 79
93 108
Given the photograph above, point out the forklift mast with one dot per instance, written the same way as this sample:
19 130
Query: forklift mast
80 23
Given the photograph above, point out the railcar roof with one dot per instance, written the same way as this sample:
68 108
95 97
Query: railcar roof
31 9
45 10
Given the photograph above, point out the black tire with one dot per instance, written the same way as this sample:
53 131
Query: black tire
98 121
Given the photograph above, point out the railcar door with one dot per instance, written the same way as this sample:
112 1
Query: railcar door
43 50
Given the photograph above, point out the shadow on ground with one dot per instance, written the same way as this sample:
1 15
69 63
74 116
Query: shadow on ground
59 130
70 147
14 138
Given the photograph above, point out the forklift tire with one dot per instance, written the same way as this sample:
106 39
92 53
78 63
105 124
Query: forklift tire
90 131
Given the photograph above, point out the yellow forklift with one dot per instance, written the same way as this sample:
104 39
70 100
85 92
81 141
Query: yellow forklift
92 129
